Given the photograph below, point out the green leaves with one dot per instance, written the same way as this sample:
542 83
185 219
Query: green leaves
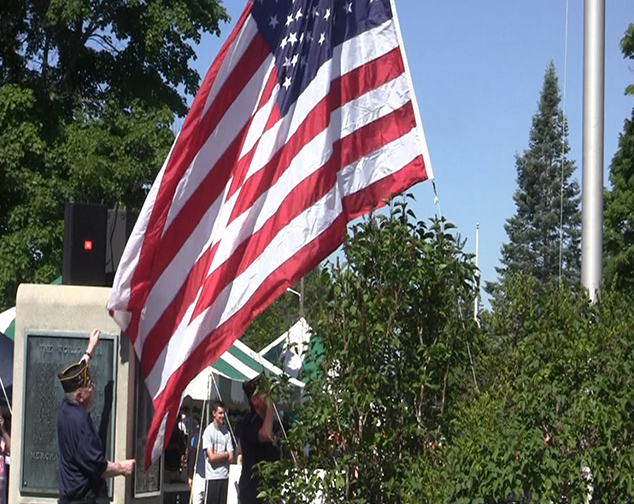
394 416
558 401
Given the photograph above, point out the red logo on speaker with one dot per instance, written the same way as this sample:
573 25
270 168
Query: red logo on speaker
87 245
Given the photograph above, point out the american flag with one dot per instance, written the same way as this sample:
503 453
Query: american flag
305 120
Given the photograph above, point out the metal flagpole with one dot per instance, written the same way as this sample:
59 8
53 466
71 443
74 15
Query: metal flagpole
592 163
6 397
476 303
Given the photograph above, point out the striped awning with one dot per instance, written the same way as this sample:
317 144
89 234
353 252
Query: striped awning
235 366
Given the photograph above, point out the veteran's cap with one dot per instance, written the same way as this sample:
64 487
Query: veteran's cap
75 376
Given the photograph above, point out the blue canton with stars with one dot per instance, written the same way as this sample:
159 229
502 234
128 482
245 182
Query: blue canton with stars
302 33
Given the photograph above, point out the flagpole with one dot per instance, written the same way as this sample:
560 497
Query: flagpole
476 303
6 397
592 163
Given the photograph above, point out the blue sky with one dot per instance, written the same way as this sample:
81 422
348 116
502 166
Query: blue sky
478 69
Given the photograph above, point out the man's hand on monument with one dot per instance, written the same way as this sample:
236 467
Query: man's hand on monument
127 466
123 468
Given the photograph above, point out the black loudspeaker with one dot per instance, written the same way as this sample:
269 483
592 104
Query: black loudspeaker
84 244
119 228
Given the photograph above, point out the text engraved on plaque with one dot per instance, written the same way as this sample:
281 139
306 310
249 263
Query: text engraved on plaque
46 356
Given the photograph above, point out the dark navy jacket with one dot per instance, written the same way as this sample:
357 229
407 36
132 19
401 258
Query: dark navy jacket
253 452
81 457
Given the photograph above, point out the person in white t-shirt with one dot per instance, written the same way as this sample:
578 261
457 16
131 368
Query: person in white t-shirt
218 448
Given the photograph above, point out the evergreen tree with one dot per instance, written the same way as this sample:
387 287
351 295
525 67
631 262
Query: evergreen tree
619 201
543 204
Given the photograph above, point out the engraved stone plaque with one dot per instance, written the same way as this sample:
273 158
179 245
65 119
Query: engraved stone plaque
146 483
46 356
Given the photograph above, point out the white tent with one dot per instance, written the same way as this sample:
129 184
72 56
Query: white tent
290 349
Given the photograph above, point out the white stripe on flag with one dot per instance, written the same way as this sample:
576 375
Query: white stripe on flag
234 55
379 164
367 46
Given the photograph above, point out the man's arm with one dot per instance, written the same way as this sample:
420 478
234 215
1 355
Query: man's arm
265 434
214 458
92 343
123 468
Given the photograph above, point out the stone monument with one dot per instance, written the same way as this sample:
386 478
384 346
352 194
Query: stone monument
53 323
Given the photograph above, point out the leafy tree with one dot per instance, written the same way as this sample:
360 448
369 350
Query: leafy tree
619 200
554 423
546 199
396 332
82 53
88 93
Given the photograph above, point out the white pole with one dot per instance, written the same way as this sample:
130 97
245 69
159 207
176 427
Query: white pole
592 163
6 397
476 303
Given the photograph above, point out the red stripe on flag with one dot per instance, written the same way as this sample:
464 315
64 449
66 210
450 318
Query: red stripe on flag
267 94
183 225
173 314
209 189
168 401
369 76
309 191
375 195
207 192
